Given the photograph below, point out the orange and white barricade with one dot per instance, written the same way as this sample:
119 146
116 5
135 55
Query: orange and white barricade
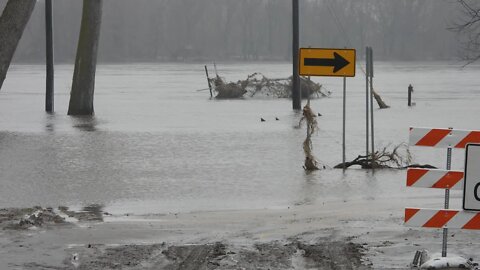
444 179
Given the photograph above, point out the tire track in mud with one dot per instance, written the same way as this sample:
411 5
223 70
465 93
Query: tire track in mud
294 254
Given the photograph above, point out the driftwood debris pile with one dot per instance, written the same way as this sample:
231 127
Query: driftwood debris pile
258 86
227 90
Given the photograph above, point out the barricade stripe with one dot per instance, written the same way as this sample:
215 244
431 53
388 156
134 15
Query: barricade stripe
449 180
433 137
474 223
413 175
460 220
410 212
420 217
416 134
472 137
440 219
433 178
443 138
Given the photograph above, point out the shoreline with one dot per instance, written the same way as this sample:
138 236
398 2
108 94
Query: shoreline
334 235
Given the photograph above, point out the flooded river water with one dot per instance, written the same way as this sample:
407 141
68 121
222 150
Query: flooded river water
156 145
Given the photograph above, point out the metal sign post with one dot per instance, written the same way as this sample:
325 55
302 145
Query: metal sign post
367 139
344 120
447 202
370 73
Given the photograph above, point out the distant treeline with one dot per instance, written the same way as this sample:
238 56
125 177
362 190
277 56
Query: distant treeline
200 30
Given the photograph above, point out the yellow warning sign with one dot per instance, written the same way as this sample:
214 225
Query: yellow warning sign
327 62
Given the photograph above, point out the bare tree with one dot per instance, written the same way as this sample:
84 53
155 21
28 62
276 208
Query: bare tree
469 29
83 85
12 23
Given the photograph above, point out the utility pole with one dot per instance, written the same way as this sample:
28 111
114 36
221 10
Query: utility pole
296 93
49 107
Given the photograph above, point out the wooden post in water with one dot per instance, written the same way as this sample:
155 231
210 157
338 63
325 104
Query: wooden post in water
410 90
49 98
296 93
208 80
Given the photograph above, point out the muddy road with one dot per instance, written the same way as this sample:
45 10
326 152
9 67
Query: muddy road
334 235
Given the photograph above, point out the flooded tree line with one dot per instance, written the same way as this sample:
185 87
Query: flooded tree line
13 21
189 30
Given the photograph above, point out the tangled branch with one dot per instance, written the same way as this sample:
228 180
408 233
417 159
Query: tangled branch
398 157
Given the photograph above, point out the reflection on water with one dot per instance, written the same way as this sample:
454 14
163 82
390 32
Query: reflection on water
84 123
157 145
50 122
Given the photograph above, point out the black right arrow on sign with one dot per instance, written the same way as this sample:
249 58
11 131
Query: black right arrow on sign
337 62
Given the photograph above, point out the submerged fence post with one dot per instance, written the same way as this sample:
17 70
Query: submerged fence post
296 93
49 98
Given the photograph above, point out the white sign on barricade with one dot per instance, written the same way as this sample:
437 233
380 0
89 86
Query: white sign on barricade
471 193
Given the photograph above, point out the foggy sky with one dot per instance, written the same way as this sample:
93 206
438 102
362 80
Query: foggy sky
208 30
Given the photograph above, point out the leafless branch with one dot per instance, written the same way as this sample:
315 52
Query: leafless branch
468 29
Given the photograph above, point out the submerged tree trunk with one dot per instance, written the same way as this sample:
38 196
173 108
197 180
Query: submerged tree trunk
12 23
379 100
83 85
